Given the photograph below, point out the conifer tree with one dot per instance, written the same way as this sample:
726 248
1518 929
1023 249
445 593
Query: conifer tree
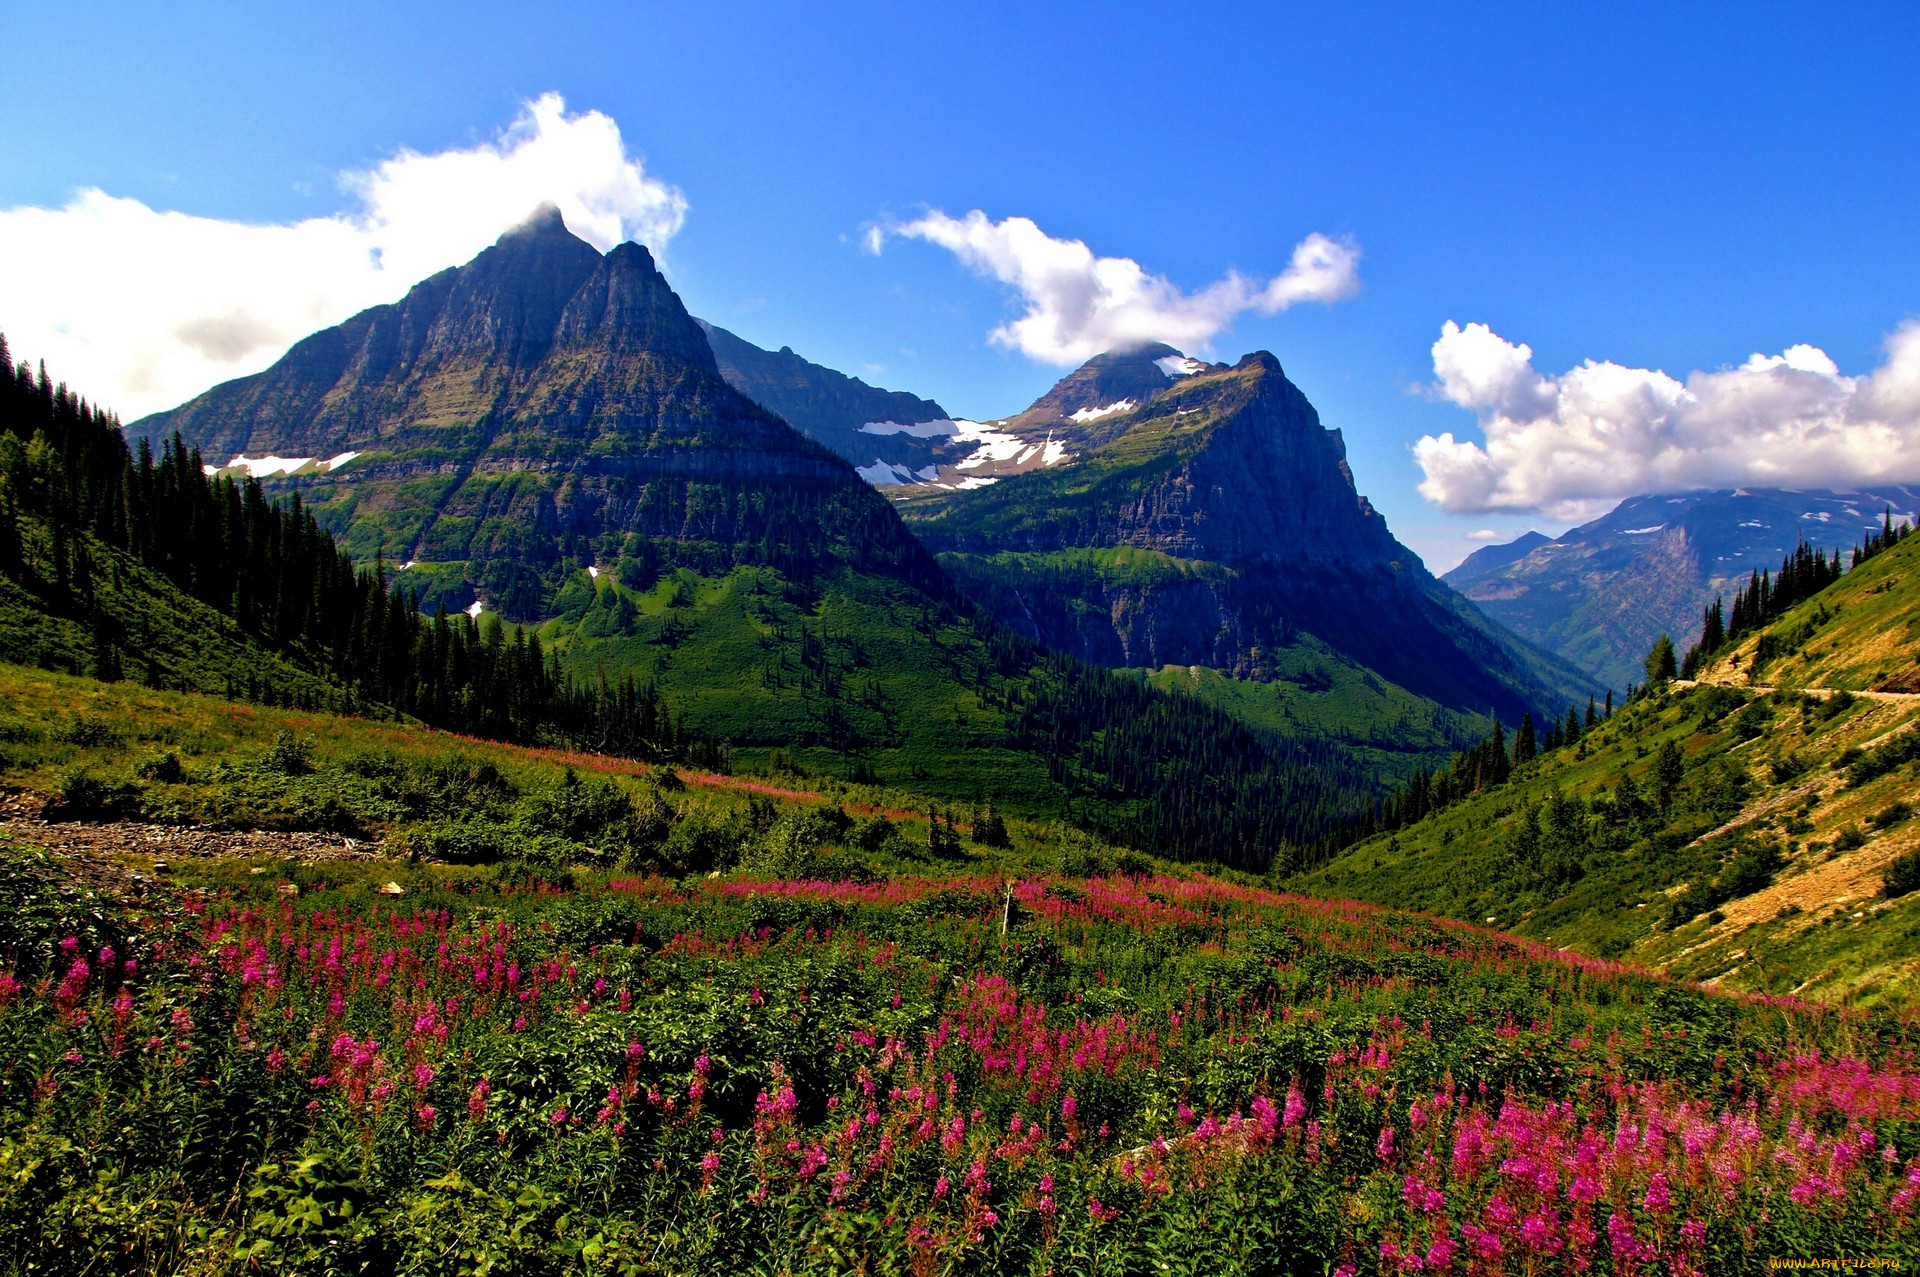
1667 770
1523 743
1660 665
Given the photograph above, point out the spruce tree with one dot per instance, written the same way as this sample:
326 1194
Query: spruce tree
1667 770
1660 665
1523 743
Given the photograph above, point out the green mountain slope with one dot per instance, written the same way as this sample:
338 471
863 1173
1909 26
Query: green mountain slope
1215 523
1742 832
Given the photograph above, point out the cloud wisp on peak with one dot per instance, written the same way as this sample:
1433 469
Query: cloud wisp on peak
147 308
1078 304
1572 445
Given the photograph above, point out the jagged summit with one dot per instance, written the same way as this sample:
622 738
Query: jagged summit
1601 593
1109 383
541 403
1075 415
890 435
540 335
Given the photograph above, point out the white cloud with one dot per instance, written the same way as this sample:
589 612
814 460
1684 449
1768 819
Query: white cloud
1570 446
1078 305
140 309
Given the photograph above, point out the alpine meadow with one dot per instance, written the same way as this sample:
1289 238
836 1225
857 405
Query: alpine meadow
502 775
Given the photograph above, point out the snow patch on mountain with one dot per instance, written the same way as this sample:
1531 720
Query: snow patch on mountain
279 467
941 429
1094 414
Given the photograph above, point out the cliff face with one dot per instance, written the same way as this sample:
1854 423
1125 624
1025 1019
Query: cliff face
544 401
1256 533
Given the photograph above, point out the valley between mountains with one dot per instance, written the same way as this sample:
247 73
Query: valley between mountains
533 782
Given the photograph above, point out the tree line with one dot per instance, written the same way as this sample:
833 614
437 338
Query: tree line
1766 597
1487 764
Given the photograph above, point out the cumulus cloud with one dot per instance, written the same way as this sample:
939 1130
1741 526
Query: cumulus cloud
1571 445
140 309
1078 305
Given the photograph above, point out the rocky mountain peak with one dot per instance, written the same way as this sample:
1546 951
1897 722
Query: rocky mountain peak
505 303
626 306
1100 387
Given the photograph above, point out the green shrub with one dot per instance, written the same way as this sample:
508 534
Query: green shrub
1902 876
87 797
1786 767
1890 815
1849 838
164 768
704 843
1716 702
1752 870
88 732
288 756
460 842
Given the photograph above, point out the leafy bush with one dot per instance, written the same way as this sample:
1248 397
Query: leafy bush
1752 722
597 814
1849 838
1902 875
460 842
1716 702
1897 752
84 796
1786 767
164 768
703 842
1890 815
288 756
88 732
1751 869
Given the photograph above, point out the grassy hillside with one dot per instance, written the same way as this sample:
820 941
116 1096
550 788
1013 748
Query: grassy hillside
1784 814
837 1049
1863 632
1316 692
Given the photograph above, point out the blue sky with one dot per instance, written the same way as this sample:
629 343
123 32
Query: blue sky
1664 187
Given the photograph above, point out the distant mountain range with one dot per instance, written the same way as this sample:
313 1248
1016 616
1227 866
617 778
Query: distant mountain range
546 435
1601 593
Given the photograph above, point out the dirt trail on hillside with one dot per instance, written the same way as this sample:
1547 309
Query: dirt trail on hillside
1890 698
21 819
